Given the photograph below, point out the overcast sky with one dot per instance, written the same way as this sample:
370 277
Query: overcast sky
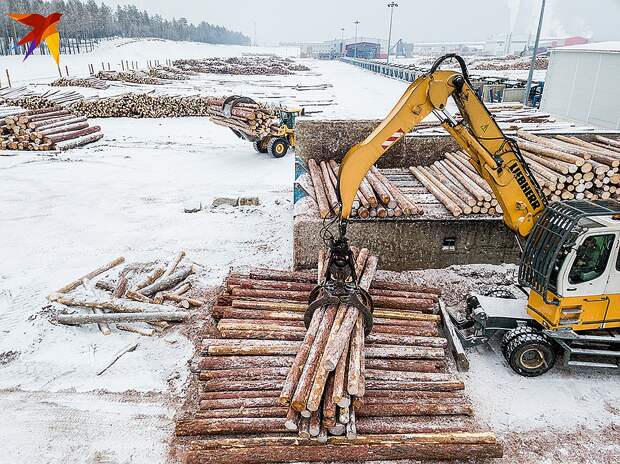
414 20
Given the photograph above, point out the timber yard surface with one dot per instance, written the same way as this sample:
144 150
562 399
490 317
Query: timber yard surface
67 213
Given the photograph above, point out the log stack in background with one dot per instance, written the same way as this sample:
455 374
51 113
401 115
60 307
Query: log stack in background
142 297
376 197
255 65
53 128
406 404
132 77
90 82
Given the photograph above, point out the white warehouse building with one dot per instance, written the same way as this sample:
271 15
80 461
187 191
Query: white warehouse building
582 84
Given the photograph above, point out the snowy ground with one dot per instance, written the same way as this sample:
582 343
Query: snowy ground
65 215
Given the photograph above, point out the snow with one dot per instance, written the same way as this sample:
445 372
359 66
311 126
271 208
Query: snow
64 215
611 46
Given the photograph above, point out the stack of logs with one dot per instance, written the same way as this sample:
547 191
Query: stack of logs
455 183
133 77
154 294
168 72
565 167
91 82
60 97
377 197
253 119
53 128
391 396
267 66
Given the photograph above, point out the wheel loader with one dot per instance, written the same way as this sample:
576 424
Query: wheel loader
569 274
279 140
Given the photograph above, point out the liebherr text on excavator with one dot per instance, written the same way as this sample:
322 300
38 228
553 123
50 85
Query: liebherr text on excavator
570 266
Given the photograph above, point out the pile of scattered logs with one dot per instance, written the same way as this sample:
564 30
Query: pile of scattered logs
264 65
391 396
252 118
376 197
142 298
133 77
91 82
52 128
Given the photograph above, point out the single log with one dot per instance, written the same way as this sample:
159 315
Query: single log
262 412
255 373
338 453
406 365
608 141
356 379
149 279
263 334
77 319
403 376
276 294
240 394
113 304
188 427
447 385
260 324
91 275
391 302
319 188
292 420
330 188
229 312
172 265
238 385
179 298
339 395
73 135
268 284
297 369
78 142
240 403
165 283
401 396
397 339
402 286
241 362
269 305
290 276
305 384
268 441
139 330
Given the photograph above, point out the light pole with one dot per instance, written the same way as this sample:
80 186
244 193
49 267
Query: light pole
533 62
356 22
391 5
341 40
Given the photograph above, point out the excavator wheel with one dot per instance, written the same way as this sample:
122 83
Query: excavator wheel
277 147
530 354
260 146
511 335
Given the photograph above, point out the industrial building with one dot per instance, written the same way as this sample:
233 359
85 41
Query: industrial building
581 84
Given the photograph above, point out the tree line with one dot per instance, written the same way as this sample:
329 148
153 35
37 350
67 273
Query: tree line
85 23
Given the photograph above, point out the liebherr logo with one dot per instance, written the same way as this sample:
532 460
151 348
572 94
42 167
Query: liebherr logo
525 186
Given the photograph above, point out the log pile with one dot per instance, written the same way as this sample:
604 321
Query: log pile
405 402
377 197
90 82
132 77
566 168
60 97
254 119
510 64
142 297
250 65
51 128
169 73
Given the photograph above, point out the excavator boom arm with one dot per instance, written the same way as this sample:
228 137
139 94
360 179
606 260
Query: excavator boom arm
493 155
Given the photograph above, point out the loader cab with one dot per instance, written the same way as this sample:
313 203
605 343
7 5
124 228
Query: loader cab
288 117
571 263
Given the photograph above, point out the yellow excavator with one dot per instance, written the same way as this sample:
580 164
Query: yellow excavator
569 272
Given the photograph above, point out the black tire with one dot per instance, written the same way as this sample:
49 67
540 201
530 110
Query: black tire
260 146
277 147
511 334
531 354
